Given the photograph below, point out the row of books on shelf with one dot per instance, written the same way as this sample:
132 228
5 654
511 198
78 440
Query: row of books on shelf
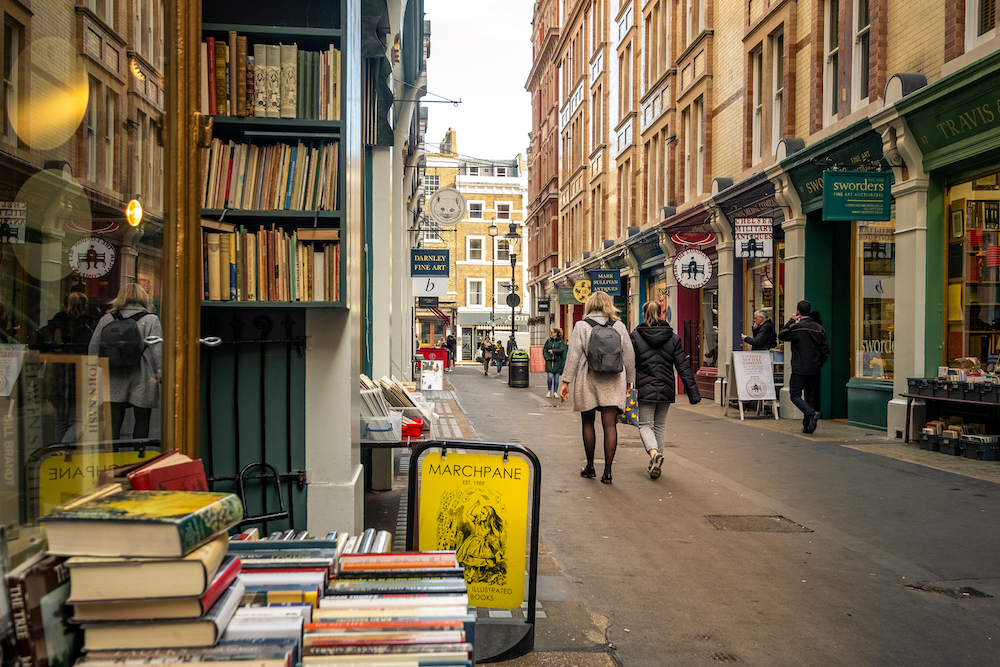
268 80
272 265
276 177
153 577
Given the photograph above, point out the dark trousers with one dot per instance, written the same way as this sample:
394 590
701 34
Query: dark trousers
799 383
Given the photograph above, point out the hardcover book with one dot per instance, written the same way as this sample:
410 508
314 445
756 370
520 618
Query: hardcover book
37 591
410 560
204 631
172 471
214 267
241 75
287 86
220 79
139 578
161 608
252 653
273 81
210 66
260 80
164 524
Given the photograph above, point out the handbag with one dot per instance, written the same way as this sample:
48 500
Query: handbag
631 414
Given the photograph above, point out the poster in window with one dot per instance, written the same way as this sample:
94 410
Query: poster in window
957 228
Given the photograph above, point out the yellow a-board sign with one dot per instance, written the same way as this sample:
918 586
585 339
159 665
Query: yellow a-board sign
478 505
62 478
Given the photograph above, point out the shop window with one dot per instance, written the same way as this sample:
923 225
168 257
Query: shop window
431 333
875 305
973 298
765 287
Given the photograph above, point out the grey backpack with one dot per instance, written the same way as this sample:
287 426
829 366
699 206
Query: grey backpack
604 351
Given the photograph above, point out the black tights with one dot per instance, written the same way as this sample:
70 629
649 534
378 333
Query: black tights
609 422
141 415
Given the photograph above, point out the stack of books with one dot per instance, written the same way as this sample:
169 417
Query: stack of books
149 569
393 607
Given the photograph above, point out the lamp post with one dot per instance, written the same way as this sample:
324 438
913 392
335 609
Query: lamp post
493 231
513 242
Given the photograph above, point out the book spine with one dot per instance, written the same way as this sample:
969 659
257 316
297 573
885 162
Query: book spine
220 78
230 107
241 74
273 81
17 593
288 91
210 65
299 83
198 527
290 179
251 82
203 76
260 80
214 261
233 296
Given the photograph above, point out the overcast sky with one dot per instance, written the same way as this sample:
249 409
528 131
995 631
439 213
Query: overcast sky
481 54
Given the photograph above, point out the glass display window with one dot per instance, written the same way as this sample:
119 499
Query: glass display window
765 287
973 289
874 295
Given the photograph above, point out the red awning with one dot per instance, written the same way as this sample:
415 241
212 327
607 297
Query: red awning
440 313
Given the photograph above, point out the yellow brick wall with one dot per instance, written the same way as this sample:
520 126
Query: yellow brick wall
915 39
727 87
805 39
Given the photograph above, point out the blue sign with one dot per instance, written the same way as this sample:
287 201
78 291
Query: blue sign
608 281
428 262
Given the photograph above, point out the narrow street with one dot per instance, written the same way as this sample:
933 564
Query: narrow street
868 563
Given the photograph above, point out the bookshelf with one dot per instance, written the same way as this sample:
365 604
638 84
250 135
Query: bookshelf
974 279
275 166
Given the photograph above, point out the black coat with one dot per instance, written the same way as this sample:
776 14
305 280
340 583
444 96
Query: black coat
763 336
810 349
658 354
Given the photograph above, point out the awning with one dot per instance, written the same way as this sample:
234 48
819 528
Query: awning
440 313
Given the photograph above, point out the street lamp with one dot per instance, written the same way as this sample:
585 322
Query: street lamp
513 242
493 231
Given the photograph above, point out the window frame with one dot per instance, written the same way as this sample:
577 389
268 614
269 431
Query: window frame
973 14
472 171
500 172
480 210
497 249
469 291
831 61
778 85
501 286
482 249
861 56
509 212
756 103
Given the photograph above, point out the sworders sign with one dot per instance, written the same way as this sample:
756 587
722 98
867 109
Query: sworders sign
857 195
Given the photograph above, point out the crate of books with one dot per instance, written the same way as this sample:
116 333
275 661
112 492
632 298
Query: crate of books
940 388
950 443
376 428
930 440
981 447
919 386
989 392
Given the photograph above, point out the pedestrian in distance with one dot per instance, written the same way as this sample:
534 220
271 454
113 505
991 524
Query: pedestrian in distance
659 358
134 385
452 344
600 369
499 356
762 334
486 354
554 353
810 350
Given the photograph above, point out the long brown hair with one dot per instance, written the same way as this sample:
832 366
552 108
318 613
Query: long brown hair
651 313
600 301
130 293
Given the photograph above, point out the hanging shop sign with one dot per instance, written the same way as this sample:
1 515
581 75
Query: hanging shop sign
425 262
754 237
478 505
427 302
431 286
447 206
92 257
581 290
608 281
857 195
13 219
692 239
567 297
543 305
692 268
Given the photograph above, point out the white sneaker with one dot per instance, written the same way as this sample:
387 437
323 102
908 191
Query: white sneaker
548 394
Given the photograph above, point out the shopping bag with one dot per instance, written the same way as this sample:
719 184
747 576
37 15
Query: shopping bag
631 414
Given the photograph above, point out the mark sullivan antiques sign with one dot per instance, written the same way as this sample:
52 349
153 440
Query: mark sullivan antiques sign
477 505
754 237
857 195
608 281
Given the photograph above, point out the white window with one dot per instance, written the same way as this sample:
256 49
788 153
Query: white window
501 249
429 232
110 105
757 121
503 211
475 210
501 172
777 116
861 61
12 33
90 131
831 48
474 297
474 248
501 289
980 22
473 171
432 182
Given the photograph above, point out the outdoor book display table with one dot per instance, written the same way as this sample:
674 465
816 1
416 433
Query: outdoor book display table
974 394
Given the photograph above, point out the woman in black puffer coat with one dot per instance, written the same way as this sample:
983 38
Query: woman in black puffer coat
658 353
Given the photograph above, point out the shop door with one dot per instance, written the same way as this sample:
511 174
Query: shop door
467 347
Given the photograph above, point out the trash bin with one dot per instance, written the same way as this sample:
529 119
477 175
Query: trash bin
518 370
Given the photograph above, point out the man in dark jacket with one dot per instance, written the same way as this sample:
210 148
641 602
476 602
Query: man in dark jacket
763 333
810 351
452 344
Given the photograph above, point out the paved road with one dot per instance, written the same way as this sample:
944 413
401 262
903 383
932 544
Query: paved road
866 564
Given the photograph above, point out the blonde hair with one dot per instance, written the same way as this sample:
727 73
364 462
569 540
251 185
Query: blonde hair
651 313
130 293
75 305
601 302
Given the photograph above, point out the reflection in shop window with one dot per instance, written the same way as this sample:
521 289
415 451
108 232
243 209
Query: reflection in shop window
875 332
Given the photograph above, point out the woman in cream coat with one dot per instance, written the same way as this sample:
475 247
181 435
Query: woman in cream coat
593 392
